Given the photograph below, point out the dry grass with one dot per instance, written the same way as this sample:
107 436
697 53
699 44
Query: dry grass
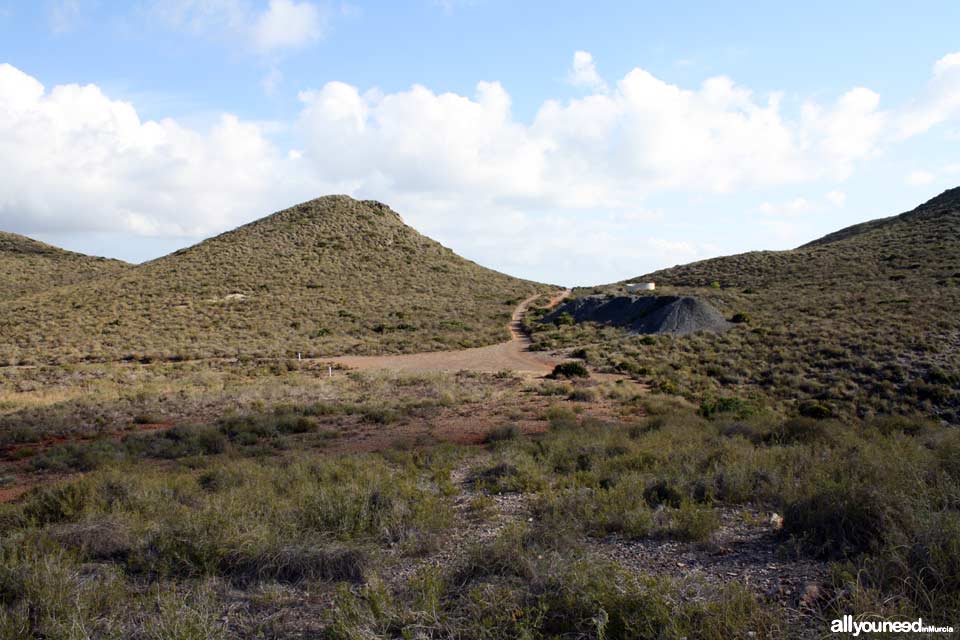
865 322
29 267
329 277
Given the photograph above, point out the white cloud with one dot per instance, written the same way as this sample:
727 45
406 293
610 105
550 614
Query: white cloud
602 150
73 159
939 103
919 178
849 131
783 231
578 176
288 24
791 208
836 198
283 24
583 73
799 206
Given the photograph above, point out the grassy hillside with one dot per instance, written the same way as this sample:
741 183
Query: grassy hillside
865 320
28 266
329 276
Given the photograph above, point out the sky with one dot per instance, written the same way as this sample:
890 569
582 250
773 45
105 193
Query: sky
567 142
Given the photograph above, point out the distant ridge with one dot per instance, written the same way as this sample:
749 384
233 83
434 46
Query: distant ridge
330 276
945 204
28 266
864 320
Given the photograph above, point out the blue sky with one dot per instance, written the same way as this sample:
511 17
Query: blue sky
568 142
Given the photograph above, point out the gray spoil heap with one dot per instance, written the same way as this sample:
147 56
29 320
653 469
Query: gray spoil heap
678 315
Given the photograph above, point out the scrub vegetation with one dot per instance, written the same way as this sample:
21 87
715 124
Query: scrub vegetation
758 483
28 266
328 277
315 506
863 322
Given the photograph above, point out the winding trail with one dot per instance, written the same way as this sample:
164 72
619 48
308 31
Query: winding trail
513 355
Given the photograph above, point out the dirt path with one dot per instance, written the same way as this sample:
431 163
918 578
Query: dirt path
512 355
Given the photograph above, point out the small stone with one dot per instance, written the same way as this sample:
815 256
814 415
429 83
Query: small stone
811 594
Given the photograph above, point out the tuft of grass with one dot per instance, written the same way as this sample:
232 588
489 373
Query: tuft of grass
502 433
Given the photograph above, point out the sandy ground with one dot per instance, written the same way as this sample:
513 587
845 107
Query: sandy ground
512 355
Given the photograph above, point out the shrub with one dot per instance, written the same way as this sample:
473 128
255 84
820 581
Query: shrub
737 406
815 410
662 492
502 433
804 430
583 395
839 521
59 503
570 370
563 319
561 417
508 477
102 538
179 442
692 523
295 563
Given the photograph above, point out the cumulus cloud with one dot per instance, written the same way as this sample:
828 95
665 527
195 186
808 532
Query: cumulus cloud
584 73
73 159
836 197
939 103
790 208
919 178
799 206
577 176
287 24
607 149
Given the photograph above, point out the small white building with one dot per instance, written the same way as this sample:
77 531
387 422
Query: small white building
640 286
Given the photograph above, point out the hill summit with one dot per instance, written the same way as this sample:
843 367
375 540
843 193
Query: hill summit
326 277
28 266
942 211
864 320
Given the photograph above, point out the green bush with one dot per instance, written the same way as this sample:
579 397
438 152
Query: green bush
815 410
502 433
563 319
662 492
736 406
839 521
570 370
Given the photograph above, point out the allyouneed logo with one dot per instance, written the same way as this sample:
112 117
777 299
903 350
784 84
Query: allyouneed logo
848 625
